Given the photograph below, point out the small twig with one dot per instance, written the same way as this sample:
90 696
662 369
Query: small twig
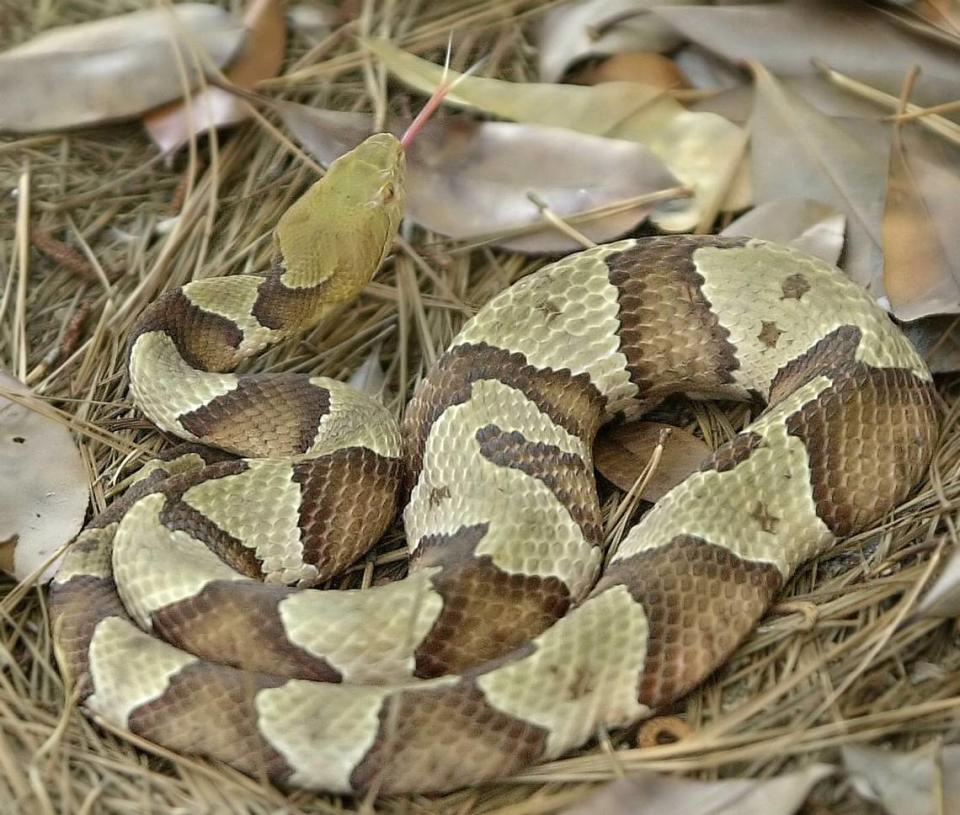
558 222
919 113
185 184
942 127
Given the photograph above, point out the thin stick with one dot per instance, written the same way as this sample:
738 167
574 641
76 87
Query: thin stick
942 127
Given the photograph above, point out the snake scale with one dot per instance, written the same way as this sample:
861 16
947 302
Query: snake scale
184 612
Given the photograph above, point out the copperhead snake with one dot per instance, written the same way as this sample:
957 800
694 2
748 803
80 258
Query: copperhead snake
184 612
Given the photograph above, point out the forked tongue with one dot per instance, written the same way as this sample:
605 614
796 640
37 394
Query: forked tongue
435 100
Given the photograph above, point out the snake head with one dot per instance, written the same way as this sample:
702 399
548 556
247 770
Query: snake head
340 230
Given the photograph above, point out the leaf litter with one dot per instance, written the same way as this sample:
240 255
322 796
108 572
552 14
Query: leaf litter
110 69
260 57
761 716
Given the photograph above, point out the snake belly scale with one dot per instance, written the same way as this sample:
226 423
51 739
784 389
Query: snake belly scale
185 613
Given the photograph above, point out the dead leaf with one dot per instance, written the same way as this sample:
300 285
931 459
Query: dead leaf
469 179
109 69
313 20
707 71
798 152
43 485
326 134
574 31
700 149
810 226
923 782
370 378
649 793
942 599
937 338
944 14
851 37
633 66
261 56
920 225
621 454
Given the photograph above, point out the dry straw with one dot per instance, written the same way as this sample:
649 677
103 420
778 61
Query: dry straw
837 661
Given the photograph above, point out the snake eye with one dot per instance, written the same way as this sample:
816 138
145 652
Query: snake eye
387 193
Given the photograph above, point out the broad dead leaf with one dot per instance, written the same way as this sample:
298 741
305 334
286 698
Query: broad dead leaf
43 485
942 599
920 225
261 56
923 782
700 149
326 134
649 793
798 152
852 37
622 453
110 69
810 226
574 31
469 179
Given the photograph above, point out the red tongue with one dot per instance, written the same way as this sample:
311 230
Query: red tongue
436 98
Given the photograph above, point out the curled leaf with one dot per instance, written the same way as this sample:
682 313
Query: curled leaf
260 57
110 69
622 453
701 149
573 31
43 485
810 226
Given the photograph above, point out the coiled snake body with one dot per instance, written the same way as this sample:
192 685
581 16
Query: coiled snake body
502 647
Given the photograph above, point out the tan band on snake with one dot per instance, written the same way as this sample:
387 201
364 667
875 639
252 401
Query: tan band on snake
184 612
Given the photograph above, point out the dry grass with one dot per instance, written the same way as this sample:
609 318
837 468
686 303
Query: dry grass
834 662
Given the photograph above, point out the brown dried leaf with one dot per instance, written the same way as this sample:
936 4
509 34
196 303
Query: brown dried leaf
573 31
920 225
798 152
852 37
261 56
633 66
649 793
109 69
810 226
468 179
43 485
700 149
944 14
621 454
